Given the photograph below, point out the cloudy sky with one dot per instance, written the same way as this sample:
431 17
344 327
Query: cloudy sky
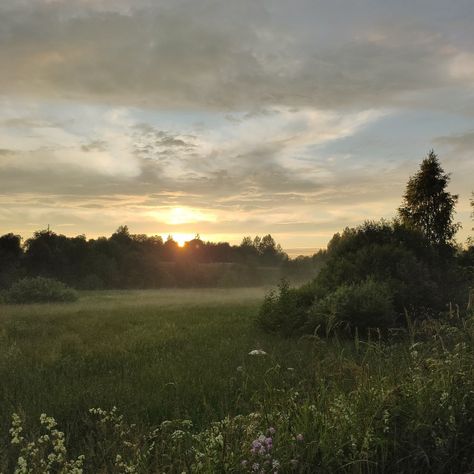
229 117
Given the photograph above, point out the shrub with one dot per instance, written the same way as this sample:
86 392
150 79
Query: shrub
285 311
401 257
371 275
39 290
368 304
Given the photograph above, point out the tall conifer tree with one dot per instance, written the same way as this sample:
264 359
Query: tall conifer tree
427 205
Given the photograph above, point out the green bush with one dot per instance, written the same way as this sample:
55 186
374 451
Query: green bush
368 304
286 310
390 253
39 290
372 274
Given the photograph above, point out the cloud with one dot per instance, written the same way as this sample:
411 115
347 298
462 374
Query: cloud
462 66
231 55
249 116
94 145
254 176
463 142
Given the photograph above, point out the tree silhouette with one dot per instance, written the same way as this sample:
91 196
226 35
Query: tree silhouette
472 205
470 240
427 205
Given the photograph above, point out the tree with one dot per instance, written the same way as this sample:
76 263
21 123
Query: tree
472 205
10 258
247 242
470 240
122 235
427 205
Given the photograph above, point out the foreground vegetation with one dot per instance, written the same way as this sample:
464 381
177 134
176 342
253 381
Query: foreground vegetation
176 364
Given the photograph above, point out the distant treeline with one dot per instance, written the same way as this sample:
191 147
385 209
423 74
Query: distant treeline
126 260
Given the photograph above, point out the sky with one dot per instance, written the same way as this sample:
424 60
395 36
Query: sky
229 118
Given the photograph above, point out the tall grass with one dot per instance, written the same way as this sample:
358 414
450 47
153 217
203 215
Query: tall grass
176 364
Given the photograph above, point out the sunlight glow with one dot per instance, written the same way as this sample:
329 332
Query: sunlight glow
181 239
185 215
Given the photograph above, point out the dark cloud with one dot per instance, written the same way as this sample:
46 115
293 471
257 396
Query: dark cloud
232 55
463 142
6 152
95 145
151 143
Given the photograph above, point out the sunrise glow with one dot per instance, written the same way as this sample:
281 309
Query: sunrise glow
181 239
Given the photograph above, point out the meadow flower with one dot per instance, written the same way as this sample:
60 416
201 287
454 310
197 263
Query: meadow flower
256 444
255 466
177 434
272 430
257 352
240 368
299 437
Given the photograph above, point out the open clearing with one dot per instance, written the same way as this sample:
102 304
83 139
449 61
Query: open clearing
156 355
338 404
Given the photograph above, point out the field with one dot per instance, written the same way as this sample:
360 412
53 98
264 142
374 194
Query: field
336 405
156 354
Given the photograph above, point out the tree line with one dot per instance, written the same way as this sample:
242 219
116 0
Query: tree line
126 260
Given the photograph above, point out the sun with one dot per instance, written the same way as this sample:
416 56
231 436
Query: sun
181 239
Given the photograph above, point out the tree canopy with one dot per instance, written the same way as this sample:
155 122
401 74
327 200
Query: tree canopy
127 260
427 205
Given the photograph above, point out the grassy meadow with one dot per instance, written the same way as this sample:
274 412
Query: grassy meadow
157 354
176 364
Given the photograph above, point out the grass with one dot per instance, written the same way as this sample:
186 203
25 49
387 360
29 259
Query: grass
156 354
359 406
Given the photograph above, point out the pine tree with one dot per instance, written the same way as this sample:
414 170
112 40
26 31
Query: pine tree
427 205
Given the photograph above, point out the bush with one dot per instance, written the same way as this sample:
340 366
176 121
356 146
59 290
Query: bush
368 304
372 274
285 311
390 253
39 290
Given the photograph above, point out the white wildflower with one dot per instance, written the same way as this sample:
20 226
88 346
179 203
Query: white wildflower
257 352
